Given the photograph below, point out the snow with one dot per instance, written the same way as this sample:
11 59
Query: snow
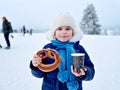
14 63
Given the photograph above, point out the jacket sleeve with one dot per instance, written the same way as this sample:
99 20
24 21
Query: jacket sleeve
35 71
89 65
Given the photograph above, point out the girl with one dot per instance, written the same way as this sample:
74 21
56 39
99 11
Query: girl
64 39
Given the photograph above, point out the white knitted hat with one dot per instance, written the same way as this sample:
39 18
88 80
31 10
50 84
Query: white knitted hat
61 20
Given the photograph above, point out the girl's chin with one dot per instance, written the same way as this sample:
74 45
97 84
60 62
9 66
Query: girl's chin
64 40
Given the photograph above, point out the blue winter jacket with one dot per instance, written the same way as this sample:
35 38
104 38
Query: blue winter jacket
50 81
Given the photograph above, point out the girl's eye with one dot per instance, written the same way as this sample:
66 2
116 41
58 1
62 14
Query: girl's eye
67 28
59 28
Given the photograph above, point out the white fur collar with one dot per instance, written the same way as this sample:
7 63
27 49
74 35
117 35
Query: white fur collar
77 37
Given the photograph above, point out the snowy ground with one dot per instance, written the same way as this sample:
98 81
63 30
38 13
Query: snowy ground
14 63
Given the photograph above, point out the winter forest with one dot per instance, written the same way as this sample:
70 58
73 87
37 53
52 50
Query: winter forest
89 24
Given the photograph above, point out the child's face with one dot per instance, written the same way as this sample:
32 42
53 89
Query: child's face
64 33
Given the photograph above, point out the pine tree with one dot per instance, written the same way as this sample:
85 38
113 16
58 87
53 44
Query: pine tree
89 23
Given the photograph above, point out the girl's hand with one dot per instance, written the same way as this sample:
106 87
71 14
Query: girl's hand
36 60
81 73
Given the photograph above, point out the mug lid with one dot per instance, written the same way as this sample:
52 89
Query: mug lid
77 54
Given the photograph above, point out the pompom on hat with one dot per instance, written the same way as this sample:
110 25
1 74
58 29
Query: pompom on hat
63 19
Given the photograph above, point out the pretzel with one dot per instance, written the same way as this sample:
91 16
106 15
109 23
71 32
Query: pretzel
48 53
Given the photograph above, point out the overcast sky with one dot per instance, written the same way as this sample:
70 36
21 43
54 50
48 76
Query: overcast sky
39 13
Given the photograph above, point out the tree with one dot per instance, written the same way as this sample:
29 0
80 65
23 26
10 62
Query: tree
89 23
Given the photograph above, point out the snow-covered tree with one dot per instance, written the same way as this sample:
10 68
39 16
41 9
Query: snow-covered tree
89 23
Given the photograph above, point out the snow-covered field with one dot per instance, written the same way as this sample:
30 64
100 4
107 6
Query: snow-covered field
14 63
